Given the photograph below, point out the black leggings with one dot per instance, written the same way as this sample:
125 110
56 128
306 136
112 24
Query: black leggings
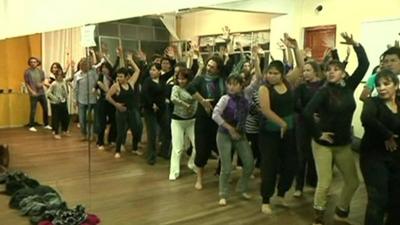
278 156
306 171
382 180
59 115
205 131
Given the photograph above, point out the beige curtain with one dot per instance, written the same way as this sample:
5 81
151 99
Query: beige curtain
55 47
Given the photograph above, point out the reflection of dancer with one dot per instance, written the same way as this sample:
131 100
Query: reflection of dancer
34 80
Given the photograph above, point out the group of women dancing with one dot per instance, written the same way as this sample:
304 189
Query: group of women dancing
291 120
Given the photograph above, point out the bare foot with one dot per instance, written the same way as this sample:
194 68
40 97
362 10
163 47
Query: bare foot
198 185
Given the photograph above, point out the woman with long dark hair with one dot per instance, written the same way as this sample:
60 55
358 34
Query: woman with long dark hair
156 113
276 135
332 135
380 155
312 82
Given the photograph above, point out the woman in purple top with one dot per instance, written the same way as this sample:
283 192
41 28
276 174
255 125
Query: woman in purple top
230 114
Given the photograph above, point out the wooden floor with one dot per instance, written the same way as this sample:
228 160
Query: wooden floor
127 191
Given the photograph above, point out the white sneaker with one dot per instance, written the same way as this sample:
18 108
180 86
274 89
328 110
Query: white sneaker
47 127
172 177
137 152
266 209
57 137
297 194
117 155
246 196
100 147
33 129
222 202
281 202
192 167
66 133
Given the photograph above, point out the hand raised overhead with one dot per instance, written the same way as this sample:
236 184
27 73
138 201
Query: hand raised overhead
348 39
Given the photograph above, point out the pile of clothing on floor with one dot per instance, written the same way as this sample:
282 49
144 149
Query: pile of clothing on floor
42 204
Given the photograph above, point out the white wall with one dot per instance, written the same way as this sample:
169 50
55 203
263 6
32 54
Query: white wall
287 22
207 22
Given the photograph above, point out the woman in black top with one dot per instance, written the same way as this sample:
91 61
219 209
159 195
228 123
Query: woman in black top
332 135
276 135
380 155
121 95
156 113
313 80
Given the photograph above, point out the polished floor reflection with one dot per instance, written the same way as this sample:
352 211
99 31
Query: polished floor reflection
127 191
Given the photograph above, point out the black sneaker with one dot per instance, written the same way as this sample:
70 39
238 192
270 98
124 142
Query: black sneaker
319 217
341 215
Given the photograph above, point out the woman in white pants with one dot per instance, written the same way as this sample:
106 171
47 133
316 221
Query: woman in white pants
182 123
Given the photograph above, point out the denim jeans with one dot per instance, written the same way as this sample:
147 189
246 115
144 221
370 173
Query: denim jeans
242 147
85 112
43 102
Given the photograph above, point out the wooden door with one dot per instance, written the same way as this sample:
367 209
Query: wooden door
318 39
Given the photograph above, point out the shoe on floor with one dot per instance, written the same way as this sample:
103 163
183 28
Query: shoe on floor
66 133
173 176
319 217
266 209
100 147
48 127
297 194
33 129
222 202
280 201
137 152
57 137
117 155
341 215
246 195
193 168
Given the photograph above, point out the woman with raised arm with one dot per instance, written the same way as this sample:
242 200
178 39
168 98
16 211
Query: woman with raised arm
313 80
121 95
332 135
380 155
276 135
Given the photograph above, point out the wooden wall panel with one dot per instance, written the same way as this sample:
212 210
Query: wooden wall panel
14 54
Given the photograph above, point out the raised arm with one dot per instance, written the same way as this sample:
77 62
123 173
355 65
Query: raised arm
295 74
132 80
362 58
